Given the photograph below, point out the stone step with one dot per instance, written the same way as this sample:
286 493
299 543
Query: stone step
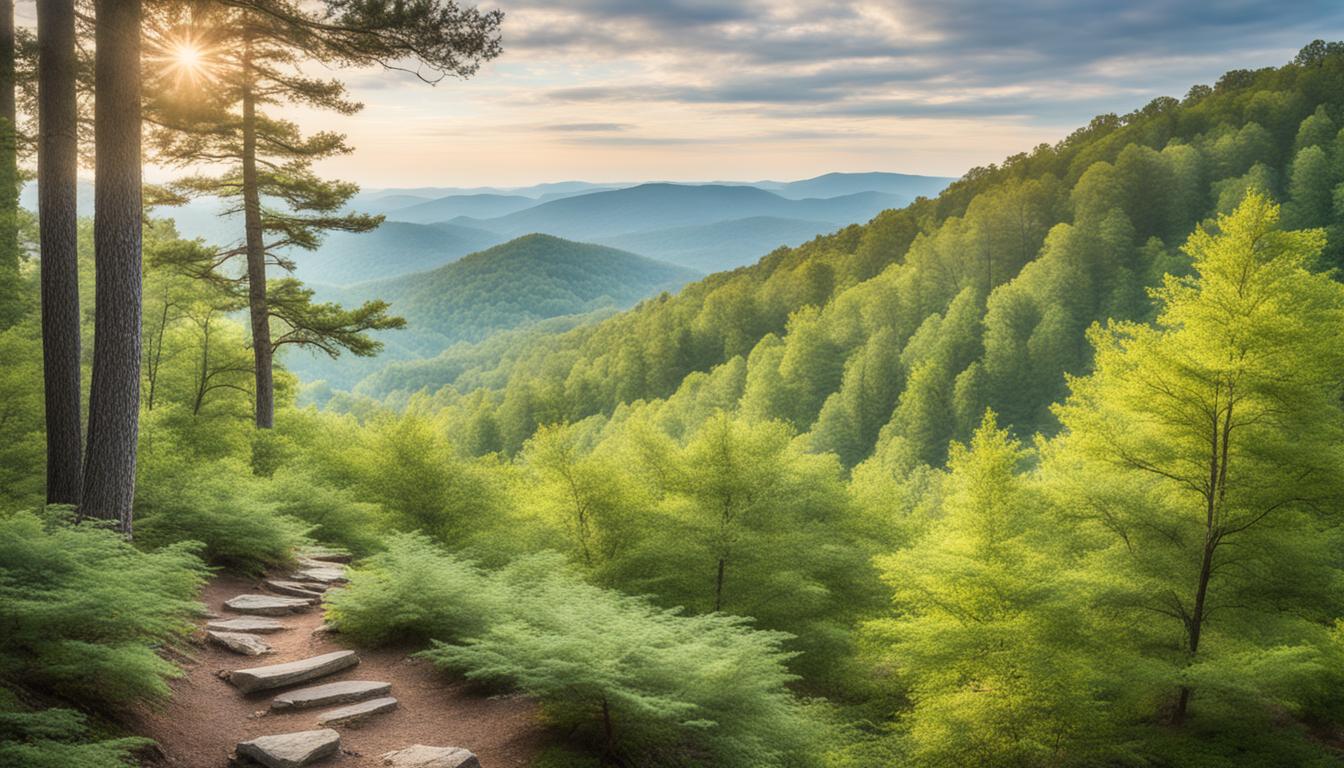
326 576
249 624
421 756
291 672
239 642
356 713
268 605
326 554
308 562
326 694
293 588
291 750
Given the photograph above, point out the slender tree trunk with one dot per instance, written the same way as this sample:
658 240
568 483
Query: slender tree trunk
57 162
1218 461
718 584
114 397
155 358
11 298
256 253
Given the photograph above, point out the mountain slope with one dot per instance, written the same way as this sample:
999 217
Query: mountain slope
394 248
662 206
452 206
888 340
836 184
510 285
721 245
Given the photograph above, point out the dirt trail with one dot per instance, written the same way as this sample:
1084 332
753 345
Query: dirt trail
207 717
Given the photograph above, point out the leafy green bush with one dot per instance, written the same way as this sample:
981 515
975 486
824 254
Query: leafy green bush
84 610
639 683
414 591
335 515
56 738
219 504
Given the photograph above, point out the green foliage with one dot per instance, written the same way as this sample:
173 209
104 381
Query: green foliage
57 738
645 684
1203 457
414 591
85 610
986 640
218 503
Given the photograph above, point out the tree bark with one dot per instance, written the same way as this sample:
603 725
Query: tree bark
57 164
114 397
11 299
262 352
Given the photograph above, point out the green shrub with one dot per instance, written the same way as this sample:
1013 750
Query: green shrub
219 504
334 514
84 610
414 591
644 685
637 683
57 738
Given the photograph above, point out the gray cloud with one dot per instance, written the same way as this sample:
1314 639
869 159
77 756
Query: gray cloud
1048 59
588 127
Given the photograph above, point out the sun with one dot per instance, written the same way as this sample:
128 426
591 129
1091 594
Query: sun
187 58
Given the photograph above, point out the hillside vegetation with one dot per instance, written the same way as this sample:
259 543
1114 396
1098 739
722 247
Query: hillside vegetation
898 334
1045 472
527 279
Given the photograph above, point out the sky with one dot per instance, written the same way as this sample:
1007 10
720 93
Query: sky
695 90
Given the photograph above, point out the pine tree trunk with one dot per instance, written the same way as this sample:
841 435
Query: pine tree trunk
256 254
57 163
114 397
11 300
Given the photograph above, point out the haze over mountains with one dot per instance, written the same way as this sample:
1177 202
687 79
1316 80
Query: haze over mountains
605 246
535 277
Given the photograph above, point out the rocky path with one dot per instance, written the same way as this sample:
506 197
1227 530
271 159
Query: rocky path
269 687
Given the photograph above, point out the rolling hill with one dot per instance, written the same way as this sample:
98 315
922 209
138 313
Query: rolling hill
721 245
837 184
453 206
659 206
519 282
394 248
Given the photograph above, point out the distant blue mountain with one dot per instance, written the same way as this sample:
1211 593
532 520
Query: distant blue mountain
662 206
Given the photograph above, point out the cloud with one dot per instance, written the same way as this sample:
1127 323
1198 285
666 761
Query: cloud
588 127
873 57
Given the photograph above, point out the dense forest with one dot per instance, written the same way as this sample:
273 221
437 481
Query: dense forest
1044 471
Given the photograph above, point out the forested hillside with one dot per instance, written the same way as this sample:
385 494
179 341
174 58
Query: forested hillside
898 334
1044 472
530 278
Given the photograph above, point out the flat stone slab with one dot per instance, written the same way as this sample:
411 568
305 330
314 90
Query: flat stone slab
291 750
421 756
320 575
291 672
267 605
357 712
247 624
293 588
326 554
239 642
330 693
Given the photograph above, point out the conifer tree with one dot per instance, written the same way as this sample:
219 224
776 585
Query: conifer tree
10 299
58 159
215 112
114 392
1207 451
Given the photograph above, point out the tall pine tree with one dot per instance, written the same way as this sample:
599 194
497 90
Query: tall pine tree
251 56
57 164
114 393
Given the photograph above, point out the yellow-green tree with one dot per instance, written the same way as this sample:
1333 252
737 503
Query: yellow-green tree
984 635
1203 455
